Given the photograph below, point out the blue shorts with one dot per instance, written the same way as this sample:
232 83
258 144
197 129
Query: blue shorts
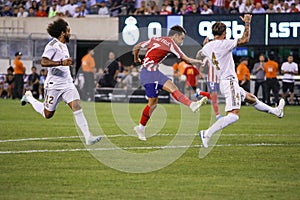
213 87
153 81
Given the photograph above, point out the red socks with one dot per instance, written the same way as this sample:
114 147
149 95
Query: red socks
214 101
206 94
181 98
146 114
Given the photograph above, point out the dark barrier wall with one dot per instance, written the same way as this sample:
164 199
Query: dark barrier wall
125 96
267 29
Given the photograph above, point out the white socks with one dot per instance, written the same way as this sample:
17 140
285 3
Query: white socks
82 123
231 118
258 105
37 105
142 127
221 123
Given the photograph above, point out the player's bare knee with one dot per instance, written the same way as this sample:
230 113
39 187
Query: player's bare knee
76 107
251 98
48 115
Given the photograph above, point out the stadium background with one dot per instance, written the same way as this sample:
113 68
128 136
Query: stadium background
256 158
271 33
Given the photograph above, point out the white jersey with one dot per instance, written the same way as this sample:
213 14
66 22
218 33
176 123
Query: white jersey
58 77
289 67
219 53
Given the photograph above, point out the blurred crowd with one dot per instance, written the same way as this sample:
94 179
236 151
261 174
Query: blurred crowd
112 75
82 8
15 82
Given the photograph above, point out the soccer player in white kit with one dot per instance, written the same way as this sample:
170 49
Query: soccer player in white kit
59 85
219 52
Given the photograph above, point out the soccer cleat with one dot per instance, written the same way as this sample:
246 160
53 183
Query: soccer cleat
280 108
140 133
24 98
195 106
197 94
205 140
93 140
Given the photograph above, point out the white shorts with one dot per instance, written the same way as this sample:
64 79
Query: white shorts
53 97
233 93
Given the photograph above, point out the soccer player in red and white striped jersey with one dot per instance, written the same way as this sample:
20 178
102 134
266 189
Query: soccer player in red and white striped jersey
153 80
212 85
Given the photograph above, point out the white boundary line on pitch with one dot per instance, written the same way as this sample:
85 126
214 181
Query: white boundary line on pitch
133 135
141 148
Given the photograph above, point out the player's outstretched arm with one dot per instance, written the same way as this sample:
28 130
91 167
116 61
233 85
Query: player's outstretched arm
246 35
205 41
46 62
191 60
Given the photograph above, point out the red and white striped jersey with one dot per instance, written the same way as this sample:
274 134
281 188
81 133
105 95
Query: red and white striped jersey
157 50
211 74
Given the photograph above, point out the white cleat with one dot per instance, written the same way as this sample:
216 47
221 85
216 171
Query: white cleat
93 140
24 98
205 140
195 106
197 94
140 133
280 108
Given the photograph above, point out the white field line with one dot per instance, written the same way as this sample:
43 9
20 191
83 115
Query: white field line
141 148
157 135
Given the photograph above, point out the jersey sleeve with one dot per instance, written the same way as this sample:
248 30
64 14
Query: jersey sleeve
49 52
145 43
230 44
204 52
295 67
176 50
276 66
283 67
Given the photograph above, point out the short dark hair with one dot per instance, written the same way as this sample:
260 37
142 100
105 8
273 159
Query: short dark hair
243 59
55 28
19 53
177 30
218 28
11 69
271 56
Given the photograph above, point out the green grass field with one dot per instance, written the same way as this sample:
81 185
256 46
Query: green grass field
256 158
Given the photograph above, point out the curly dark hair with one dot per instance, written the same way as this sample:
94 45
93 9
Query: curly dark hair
218 28
55 28
177 30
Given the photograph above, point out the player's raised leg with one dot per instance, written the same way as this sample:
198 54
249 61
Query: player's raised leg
36 104
176 94
260 106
